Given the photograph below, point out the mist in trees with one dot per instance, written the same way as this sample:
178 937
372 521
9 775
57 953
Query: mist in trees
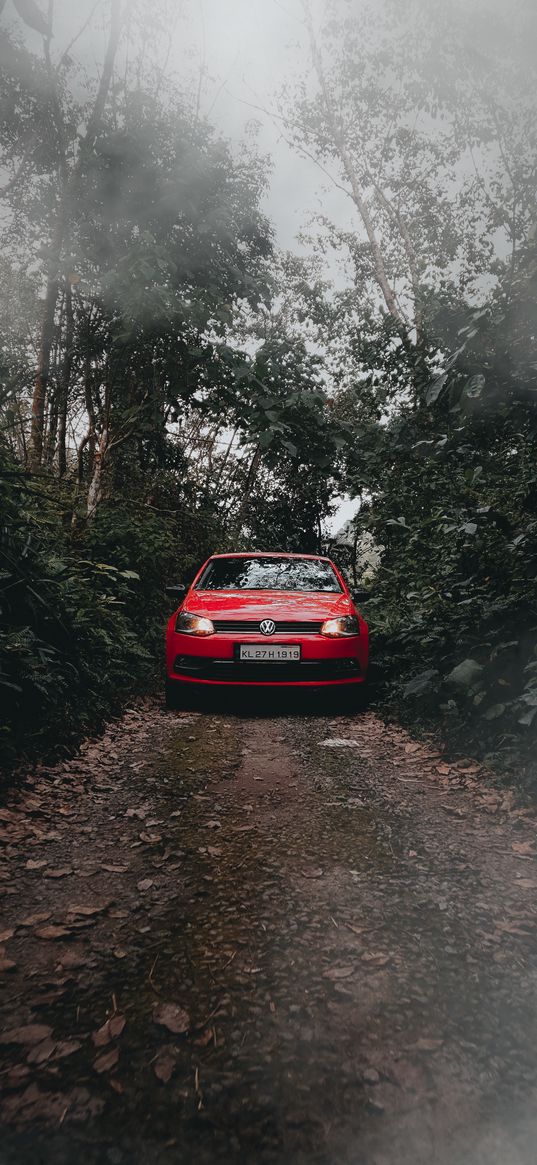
173 383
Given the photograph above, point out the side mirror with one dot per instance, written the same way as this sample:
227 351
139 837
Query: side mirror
360 595
176 592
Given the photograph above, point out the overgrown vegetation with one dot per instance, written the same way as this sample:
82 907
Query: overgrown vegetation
455 509
172 385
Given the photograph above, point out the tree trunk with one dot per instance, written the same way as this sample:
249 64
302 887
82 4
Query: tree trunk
96 488
352 177
45 348
250 482
65 379
410 252
67 184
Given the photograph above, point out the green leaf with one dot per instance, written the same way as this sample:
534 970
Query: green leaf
465 675
494 712
421 683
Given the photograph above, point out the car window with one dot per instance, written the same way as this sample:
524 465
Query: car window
268 574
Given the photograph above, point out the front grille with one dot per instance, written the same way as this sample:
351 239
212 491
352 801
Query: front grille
203 668
251 627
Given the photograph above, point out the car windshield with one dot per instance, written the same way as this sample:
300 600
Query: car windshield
268 574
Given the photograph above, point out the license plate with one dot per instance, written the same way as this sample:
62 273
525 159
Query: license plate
274 654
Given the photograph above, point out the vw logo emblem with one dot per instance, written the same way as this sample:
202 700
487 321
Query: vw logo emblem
267 627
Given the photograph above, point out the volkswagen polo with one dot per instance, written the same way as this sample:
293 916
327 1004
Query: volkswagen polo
270 620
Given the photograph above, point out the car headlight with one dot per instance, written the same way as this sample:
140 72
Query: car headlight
336 628
193 624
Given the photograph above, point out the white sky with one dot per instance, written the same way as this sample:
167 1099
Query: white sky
246 50
249 49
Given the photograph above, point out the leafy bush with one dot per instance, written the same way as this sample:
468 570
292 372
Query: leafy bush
454 604
69 648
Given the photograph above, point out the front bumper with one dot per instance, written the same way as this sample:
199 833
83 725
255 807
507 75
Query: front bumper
214 660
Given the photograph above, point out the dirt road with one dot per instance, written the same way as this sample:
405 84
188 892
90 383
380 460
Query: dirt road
279 940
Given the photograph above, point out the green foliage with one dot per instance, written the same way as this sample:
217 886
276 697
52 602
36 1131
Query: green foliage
453 505
67 644
81 614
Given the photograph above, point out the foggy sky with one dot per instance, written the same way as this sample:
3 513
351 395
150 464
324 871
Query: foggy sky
246 50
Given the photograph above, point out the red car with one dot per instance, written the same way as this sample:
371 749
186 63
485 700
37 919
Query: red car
271 620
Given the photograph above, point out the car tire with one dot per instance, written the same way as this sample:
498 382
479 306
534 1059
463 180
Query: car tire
173 695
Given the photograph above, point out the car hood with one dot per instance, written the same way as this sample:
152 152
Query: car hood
267 604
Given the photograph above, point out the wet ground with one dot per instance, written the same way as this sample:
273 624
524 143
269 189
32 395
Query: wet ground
273 939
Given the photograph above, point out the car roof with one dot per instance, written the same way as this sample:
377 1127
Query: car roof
271 554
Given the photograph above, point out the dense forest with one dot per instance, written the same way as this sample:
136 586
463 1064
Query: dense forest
172 384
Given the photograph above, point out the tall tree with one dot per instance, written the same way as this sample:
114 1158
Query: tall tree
418 117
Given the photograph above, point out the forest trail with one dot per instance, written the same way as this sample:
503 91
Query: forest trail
285 939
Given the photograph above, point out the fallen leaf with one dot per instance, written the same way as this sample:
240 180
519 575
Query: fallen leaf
426 1045
375 1105
356 929
523 847
145 884
51 932
377 959
30 1033
371 1076
34 864
41 1052
117 1024
17 1074
88 911
205 1038
110 1030
341 972
66 1048
61 873
33 919
5 935
517 927
6 964
164 1064
213 824
7 815
120 953
312 873
73 959
339 742
171 1016
107 1061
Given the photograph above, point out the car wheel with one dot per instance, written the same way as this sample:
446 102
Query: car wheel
173 695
